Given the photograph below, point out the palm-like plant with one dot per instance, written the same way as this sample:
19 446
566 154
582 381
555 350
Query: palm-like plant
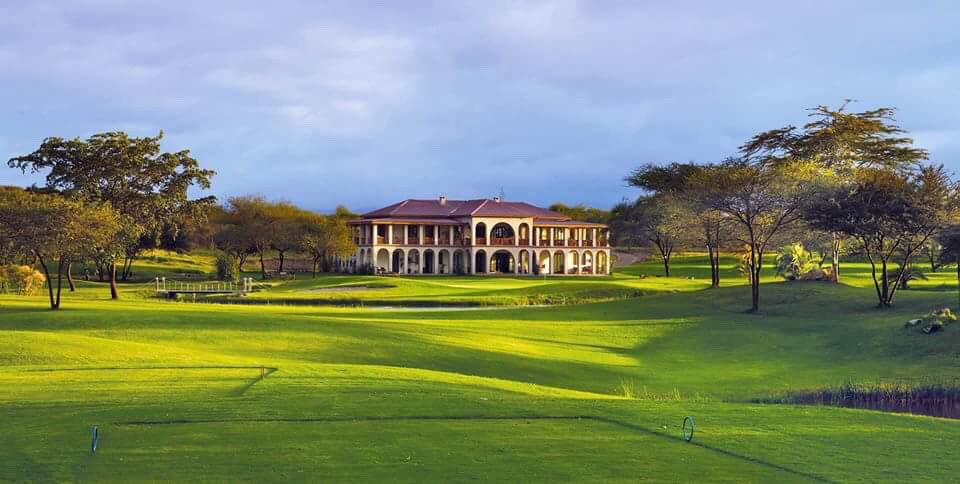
794 260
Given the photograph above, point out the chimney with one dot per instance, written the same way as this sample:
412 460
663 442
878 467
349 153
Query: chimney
443 200
496 199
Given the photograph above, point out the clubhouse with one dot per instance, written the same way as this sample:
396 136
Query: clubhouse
485 236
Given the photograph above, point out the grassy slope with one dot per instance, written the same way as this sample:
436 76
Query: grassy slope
414 395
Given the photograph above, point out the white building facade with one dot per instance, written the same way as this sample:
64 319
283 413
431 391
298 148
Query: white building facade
486 236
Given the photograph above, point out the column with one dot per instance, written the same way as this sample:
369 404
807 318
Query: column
450 237
470 262
436 236
389 235
373 240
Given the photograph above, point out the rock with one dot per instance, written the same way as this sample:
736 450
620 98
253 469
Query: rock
814 275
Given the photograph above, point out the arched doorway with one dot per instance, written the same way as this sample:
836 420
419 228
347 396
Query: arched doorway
574 263
501 262
480 262
502 234
601 263
443 261
558 262
383 260
587 263
480 233
524 262
545 262
428 262
397 262
413 261
458 263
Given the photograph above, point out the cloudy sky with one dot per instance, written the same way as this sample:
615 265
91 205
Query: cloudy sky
365 103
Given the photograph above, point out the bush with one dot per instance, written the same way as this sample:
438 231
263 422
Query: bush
22 280
794 260
227 267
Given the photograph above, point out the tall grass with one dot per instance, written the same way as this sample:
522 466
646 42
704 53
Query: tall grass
933 400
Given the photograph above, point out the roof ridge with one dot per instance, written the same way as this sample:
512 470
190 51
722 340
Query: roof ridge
484 202
400 205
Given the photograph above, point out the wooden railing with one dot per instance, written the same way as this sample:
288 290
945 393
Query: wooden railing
481 241
524 241
572 243
503 241
381 240
428 240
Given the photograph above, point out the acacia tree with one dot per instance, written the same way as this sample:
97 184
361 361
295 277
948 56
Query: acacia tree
839 141
892 215
146 187
761 199
949 241
326 237
690 208
56 230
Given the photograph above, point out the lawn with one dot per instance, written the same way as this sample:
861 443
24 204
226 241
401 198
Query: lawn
594 391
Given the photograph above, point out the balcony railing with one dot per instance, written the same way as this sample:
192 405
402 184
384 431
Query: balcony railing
572 243
481 241
588 243
398 241
503 241
524 241
381 240
427 240
603 242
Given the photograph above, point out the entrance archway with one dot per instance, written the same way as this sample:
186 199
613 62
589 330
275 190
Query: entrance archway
601 263
480 262
458 263
524 262
558 262
587 263
443 262
413 261
502 262
574 263
545 262
397 262
428 262
383 260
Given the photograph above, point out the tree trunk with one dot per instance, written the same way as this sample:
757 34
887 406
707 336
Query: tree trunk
127 268
754 278
884 284
73 287
46 272
263 268
60 280
113 281
835 257
280 256
958 280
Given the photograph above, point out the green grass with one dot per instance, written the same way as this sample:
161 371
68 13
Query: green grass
585 392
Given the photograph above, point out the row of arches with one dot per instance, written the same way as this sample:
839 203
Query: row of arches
414 261
504 261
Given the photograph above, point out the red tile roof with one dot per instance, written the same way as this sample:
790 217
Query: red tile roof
463 208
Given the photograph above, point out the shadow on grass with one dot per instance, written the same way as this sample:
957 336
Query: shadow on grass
428 418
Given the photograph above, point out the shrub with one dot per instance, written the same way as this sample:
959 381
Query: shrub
794 260
227 267
22 280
